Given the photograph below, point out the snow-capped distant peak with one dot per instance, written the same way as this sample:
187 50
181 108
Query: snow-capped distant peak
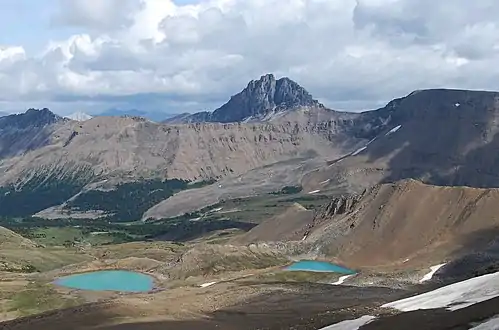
79 116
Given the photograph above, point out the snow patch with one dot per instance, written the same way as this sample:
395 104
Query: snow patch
205 285
406 260
325 181
454 296
358 151
433 270
492 324
314 192
350 324
341 280
393 130
457 105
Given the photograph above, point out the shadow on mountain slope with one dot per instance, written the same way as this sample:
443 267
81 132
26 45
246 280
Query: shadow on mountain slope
448 137
478 255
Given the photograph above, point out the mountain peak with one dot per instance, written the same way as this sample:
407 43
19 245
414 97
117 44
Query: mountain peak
263 97
258 101
32 117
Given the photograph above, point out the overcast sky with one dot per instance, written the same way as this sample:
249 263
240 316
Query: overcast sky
186 55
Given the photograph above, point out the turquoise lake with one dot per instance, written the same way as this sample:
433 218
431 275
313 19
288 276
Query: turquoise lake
319 266
108 280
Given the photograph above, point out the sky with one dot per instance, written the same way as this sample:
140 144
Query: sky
186 55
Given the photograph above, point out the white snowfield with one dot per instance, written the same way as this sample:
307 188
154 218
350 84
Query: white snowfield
350 324
492 324
453 297
433 270
341 280
314 192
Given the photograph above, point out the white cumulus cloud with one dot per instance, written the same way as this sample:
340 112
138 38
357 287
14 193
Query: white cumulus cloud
158 54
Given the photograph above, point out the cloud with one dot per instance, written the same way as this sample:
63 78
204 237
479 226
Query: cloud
352 54
101 15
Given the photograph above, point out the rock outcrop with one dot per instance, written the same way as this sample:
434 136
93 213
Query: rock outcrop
340 205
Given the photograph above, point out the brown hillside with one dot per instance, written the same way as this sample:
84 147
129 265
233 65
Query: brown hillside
287 226
396 222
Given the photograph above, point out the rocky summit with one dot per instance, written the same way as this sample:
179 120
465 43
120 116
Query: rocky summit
261 100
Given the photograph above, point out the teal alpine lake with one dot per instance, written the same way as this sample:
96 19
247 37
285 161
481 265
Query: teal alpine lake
319 266
108 280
